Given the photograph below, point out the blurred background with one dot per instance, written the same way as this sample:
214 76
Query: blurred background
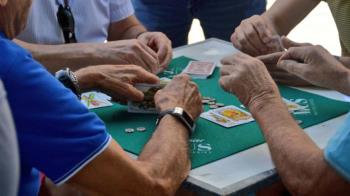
317 28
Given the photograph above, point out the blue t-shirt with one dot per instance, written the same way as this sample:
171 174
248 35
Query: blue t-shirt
337 152
56 134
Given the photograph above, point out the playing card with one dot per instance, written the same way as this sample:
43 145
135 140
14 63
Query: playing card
94 100
228 116
237 115
147 105
215 118
199 69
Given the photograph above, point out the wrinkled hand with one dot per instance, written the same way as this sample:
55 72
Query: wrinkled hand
248 79
280 75
256 36
317 66
161 44
132 52
115 80
180 92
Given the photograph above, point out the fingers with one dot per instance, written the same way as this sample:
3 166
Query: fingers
292 66
271 58
287 43
243 40
143 76
121 91
296 53
150 58
225 83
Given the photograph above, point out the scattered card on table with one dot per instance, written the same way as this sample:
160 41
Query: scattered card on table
228 116
94 100
199 69
215 118
147 106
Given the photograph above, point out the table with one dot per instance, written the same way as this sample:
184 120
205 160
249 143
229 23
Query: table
247 171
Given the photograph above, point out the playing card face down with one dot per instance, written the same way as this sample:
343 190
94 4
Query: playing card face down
228 116
199 69
147 105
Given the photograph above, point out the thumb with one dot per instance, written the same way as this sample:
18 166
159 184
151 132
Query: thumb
132 94
287 43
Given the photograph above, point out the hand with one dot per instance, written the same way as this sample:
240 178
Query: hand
280 75
248 79
160 44
180 92
115 80
126 52
317 66
256 36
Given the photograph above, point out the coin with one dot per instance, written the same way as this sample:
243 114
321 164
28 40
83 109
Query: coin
212 102
220 105
141 129
129 130
205 101
299 122
213 107
206 98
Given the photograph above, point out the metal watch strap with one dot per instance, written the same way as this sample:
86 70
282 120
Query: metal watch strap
69 80
181 115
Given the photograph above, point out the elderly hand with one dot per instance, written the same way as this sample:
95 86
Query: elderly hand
281 75
115 80
180 92
126 52
160 44
248 79
317 66
256 36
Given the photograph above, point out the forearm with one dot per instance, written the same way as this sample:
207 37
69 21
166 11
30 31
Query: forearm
129 28
56 57
286 14
171 161
298 160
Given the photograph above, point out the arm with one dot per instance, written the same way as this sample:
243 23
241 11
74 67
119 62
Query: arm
299 162
286 14
260 35
345 61
164 162
129 28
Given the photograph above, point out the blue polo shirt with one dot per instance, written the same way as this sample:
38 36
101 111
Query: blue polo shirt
56 134
337 152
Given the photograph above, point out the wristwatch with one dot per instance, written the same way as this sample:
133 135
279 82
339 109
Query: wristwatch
69 80
182 116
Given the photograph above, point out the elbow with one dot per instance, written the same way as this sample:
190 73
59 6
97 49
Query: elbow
300 186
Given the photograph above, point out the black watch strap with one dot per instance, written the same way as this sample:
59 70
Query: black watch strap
69 80
182 116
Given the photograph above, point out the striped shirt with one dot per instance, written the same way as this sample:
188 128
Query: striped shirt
92 20
341 12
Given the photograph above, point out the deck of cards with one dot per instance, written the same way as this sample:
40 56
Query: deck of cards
228 116
93 100
199 69
147 106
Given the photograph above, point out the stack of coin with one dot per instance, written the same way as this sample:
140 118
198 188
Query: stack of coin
129 130
212 103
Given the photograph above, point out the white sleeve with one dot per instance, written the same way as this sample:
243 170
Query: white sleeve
120 9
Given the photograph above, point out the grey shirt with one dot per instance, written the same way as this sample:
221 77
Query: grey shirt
9 155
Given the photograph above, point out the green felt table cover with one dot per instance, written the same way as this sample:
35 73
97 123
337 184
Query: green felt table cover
212 142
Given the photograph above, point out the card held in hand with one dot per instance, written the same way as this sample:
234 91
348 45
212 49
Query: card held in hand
147 106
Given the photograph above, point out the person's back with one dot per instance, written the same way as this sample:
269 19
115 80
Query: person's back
9 162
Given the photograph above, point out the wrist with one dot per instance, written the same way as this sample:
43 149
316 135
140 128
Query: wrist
345 82
140 33
259 103
87 80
